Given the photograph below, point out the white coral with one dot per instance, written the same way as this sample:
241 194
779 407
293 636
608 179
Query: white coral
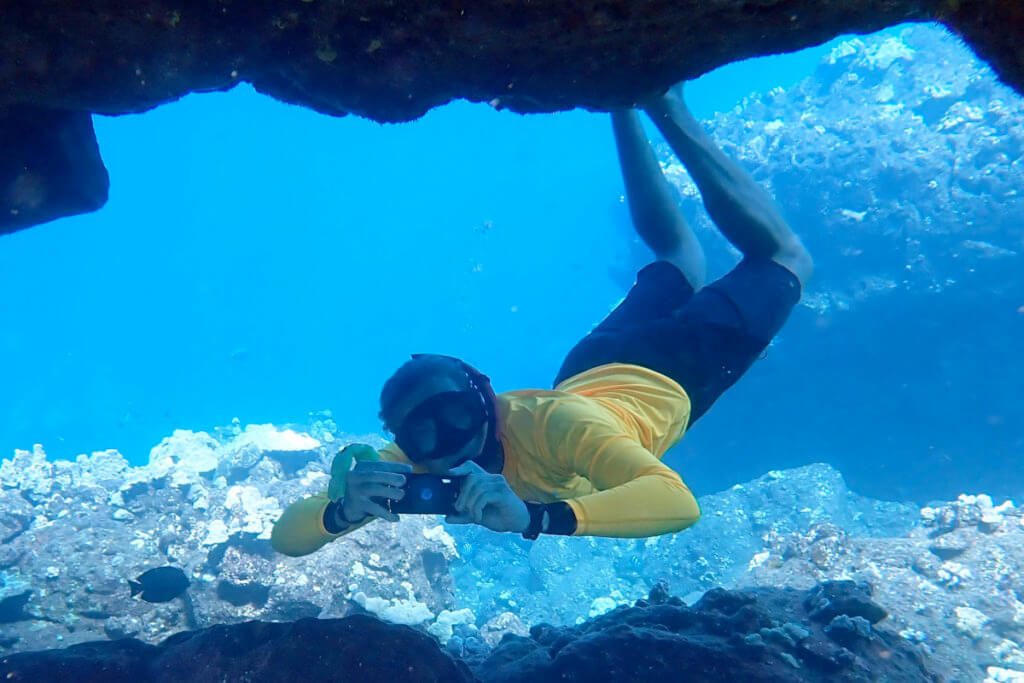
970 621
882 55
952 574
409 612
267 437
29 471
185 451
438 533
443 626
250 511
999 675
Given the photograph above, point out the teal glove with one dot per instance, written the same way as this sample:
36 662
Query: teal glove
342 463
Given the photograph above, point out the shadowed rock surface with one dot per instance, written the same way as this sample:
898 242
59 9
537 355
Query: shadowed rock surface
366 647
765 634
826 633
394 61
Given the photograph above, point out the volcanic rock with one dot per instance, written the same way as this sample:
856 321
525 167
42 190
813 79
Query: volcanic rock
390 61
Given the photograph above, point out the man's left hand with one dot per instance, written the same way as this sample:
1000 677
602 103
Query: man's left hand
487 499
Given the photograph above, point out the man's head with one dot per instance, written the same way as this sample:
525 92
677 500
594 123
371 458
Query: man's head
439 410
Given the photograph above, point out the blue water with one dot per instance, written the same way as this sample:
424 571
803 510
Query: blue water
260 261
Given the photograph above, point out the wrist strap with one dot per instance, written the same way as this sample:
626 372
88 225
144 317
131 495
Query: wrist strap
335 513
537 512
334 519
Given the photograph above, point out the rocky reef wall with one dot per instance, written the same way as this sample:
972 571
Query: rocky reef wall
74 532
899 162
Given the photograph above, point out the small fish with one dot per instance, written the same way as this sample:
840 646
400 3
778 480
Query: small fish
160 585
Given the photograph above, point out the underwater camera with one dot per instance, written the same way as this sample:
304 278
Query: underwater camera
426 494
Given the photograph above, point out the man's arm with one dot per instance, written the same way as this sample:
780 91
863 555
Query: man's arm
310 523
302 528
638 496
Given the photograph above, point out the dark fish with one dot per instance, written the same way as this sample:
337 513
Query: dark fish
160 585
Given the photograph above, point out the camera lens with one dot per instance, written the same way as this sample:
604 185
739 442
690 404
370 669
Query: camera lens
426 494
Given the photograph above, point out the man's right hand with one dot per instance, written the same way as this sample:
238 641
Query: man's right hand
373 480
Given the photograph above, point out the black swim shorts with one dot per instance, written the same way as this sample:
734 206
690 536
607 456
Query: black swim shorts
705 340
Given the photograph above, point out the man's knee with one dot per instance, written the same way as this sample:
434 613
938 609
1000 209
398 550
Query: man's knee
796 259
691 264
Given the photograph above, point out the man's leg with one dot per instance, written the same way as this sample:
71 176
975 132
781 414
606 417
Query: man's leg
743 211
652 204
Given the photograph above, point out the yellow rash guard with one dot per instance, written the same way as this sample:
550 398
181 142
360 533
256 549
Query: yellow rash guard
595 442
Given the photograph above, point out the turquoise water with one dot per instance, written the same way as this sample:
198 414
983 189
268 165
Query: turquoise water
263 263
260 261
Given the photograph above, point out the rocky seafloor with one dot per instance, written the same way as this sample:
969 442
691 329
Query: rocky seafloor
72 533
823 634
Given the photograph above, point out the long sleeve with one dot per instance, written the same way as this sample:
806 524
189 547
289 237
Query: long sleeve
300 529
636 494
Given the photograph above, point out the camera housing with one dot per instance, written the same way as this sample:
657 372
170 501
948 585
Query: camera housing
426 494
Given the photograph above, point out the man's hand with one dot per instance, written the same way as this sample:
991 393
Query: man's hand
487 499
373 480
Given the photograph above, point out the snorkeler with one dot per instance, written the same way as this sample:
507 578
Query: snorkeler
585 458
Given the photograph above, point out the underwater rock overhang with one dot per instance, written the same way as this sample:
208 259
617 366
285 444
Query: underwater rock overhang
390 60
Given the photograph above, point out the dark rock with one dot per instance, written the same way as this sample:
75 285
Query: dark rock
15 513
550 636
272 651
117 628
658 654
96 613
825 655
828 600
727 635
847 630
724 601
291 610
392 61
50 168
123 660
755 640
12 608
516 658
951 545
778 637
10 555
659 593
254 650
243 594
